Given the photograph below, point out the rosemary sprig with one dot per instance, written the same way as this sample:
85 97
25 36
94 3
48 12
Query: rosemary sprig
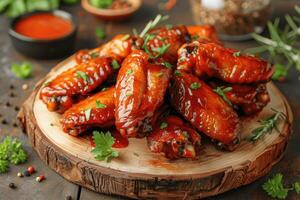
282 45
221 91
158 19
267 125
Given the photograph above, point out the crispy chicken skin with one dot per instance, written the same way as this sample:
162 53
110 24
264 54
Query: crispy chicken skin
63 91
214 60
176 139
118 48
205 110
95 111
174 37
203 33
140 90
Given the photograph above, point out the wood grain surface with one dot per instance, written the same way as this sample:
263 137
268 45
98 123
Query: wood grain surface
289 165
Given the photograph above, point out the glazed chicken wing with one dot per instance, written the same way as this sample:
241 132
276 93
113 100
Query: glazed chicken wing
214 60
174 138
203 33
60 93
95 111
118 48
140 90
168 38
205 109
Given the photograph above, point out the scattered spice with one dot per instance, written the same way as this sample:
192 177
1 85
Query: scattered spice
8 104
12 94
17 108
40 178
20 174
3 121
15 124
31 169
12 186
26 173
68 197
11 87
24 86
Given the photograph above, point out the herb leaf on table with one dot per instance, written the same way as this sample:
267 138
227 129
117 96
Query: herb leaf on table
23 70
274 187
103 149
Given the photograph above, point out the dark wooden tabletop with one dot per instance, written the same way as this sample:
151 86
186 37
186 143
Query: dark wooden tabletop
55 187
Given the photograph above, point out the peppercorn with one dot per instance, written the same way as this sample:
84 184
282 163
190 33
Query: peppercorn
40 178
26 173
12 185
68 197
31 169
20 174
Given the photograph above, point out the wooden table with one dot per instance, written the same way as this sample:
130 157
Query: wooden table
55 187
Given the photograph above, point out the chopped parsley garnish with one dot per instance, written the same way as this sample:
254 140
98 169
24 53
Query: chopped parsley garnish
169 26
23 70
104 89
237 54
94 54
99 104
160 74
177 73
87 113
275 188
167 65
195 37
115 64
221 91
100 33
161 50
130 71
125 37
195 85
82 75
163 125
103 149
129 94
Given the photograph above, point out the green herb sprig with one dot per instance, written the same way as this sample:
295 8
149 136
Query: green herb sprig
274 187
153 23
103 149
23 70
11 151
266 126
282 46
221 91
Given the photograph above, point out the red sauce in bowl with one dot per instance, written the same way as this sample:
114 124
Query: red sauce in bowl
44 26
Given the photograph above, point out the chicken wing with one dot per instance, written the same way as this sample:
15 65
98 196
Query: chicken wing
118 48
140 90
174 138
214 60
205 109
203 33
69 86
165 41
95 111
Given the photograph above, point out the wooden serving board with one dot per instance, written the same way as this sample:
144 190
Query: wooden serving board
138 173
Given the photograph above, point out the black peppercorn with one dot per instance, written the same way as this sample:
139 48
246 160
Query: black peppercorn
4 121
11 87
68 197
26 173
12 185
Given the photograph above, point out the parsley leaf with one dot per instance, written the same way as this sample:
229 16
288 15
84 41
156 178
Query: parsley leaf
161 50
130 71
11 150
87 114
100 33
221 91
99 104
177 73
115 64
103 149
237 54
22 71
125 37
163 125
82 75
275 188
195 85
101 3
280 72
167 65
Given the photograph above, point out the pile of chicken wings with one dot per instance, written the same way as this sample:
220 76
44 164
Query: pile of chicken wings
171 86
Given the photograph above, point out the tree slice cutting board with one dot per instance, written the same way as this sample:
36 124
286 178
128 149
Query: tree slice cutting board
138 173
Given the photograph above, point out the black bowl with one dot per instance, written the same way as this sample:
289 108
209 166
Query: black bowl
44 49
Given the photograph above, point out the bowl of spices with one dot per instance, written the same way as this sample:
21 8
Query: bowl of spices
114 10
233 19
44 34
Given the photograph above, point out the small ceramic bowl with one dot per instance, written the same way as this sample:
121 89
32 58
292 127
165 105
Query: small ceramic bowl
112 14
41 48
